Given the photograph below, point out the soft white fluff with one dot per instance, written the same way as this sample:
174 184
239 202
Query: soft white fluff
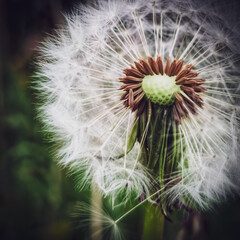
79 84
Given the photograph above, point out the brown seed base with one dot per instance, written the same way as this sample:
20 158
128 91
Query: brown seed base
185 102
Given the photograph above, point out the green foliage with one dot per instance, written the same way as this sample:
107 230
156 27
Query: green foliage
37 195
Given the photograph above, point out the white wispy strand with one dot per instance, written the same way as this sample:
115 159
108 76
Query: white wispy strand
81 105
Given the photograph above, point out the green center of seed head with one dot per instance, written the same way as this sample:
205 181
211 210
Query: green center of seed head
160 89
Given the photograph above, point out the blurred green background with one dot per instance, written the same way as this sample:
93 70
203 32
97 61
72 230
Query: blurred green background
37 198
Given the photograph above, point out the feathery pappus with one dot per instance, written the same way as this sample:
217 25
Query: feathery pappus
143 97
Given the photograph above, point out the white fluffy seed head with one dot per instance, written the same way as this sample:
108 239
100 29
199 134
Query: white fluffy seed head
79 81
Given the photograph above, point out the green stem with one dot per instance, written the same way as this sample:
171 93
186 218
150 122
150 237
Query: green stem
153 223
145 200
139 204
96 221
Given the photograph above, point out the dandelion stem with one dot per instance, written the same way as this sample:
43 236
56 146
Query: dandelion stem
139 204
153 223
96 221
146 199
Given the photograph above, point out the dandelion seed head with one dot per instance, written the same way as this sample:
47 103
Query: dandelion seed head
102 94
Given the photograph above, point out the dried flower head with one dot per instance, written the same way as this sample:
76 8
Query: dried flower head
142 97
175 85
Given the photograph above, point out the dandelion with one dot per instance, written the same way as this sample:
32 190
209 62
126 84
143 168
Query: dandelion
143 98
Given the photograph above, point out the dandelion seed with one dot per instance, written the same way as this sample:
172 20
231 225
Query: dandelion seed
97 216
143 96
